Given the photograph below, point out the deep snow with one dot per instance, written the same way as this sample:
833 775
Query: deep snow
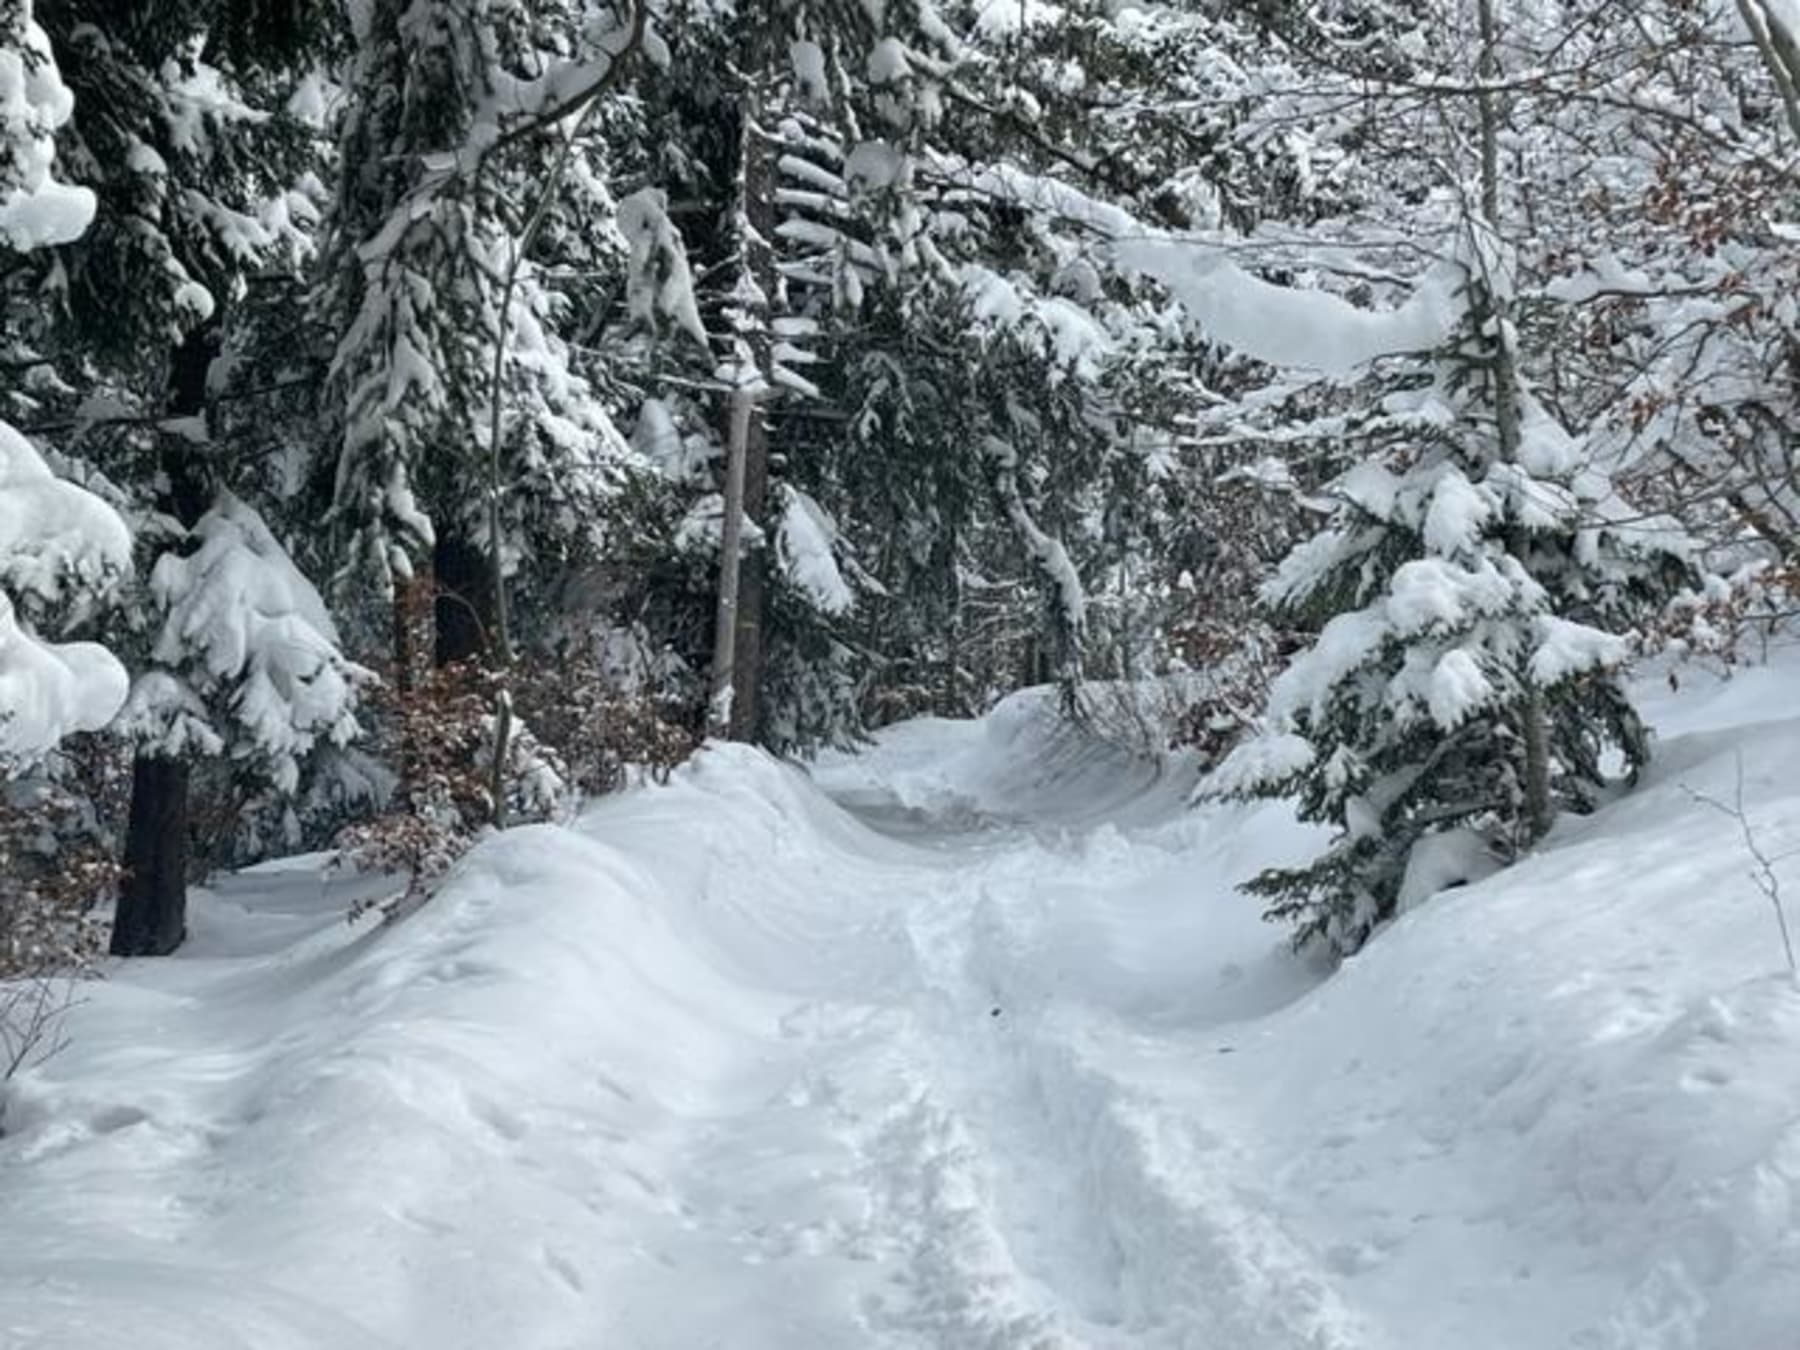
964 1042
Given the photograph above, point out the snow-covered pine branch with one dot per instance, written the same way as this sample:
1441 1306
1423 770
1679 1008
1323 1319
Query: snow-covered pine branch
61 547
247 659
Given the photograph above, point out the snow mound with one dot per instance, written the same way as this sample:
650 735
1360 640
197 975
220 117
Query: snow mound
964 1042
1562 1099
1023 762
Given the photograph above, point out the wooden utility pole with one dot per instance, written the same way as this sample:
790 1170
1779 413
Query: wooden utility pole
734 709
722 706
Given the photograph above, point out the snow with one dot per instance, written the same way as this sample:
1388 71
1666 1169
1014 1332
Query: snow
1427 593
964 1041
1277 757
1003 18
874 165
807 538
1297 327
315 100
658 438
196 300
888 62
1458 514
1566 649
661 285
1289 326
36 211
60 547
1442 860
1600 274
1458 689
51 690
244 624
808 61
55 537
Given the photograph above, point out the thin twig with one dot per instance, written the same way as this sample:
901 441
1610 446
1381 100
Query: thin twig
1762 875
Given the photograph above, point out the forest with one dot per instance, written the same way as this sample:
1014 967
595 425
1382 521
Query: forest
424 415
913 674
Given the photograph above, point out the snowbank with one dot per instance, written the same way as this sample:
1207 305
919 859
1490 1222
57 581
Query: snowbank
995 1058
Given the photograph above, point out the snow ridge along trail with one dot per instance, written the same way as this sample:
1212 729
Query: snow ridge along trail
965 1042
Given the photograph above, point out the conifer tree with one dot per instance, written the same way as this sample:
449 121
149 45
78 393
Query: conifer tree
183 135
1474 590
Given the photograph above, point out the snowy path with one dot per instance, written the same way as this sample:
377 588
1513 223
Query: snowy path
964 1043
920 1157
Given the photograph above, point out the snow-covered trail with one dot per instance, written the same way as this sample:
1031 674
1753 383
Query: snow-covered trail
1016 1193
966 1042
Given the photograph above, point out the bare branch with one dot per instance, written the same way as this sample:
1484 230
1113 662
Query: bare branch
1762 873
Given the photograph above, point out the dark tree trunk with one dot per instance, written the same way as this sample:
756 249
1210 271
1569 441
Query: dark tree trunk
152 915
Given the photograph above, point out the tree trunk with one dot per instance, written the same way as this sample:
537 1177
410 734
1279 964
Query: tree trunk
413 619
1776 45
760 218
151 919
152 915
1539 806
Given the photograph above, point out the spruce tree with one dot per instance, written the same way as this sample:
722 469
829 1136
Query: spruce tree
1475 588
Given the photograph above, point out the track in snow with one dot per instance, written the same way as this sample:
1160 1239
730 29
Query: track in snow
950 967
1028 1196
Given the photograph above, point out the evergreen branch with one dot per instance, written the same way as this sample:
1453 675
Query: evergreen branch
1109 173
583 99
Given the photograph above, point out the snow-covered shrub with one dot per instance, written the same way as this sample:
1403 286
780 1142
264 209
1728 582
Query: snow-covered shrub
581 723
1209 699
600 727
57 864
440 734
237 818
1726 621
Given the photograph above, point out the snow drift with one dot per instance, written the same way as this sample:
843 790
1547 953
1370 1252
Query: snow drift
995 1057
